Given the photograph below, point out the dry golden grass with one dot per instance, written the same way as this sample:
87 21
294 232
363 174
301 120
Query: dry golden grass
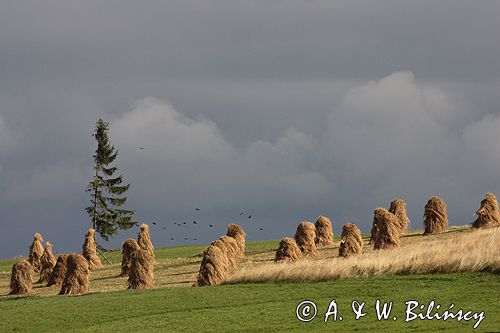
459 249
454 252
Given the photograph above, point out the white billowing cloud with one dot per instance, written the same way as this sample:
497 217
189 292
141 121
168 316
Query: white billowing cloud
388 127
156 125
386 124
187 160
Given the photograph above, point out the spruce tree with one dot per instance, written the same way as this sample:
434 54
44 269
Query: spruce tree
106 190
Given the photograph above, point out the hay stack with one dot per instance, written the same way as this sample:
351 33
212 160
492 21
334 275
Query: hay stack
324 231
398 208
144 240
129 246
36 252
90 250
141 274
288 251
48 261
230 248
305 237
436 219
488 215
237 232
388 231
20 280
59 271
351 243
214 267
76 281
376 222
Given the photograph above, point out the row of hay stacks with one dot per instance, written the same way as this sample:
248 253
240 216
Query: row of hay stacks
388 226
436 219
308 237
68 271
440 254
454 252
221 257
71 271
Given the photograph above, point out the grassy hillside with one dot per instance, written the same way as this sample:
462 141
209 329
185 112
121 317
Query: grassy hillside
270 307
267 307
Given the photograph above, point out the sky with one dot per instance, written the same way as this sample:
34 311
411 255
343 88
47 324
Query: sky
280 110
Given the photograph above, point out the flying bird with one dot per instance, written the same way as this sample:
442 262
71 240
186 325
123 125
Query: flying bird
183 222
249 216
154 223
171 238
141 148
194 239
164 227
211 226
194 222
242 213
197 209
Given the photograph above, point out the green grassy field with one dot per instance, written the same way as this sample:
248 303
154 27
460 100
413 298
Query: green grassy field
267 307
260 307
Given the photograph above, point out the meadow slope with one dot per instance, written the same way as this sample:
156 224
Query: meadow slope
241 305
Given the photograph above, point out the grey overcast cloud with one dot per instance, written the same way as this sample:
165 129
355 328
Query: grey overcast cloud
284 110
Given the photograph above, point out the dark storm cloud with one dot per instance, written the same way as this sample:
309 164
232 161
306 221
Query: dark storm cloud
288 109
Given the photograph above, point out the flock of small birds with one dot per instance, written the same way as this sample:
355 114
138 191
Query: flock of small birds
155 224
195 222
